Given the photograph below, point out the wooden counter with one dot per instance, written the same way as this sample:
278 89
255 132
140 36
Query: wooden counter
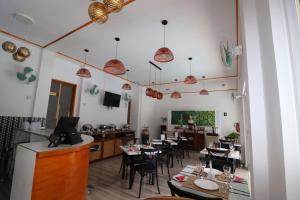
51 173
109 146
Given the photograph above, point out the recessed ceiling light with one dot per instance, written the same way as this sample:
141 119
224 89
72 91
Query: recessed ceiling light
23 18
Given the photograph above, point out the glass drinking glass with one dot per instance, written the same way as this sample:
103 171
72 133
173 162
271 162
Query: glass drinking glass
227 171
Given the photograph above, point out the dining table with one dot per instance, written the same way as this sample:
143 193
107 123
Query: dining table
236 189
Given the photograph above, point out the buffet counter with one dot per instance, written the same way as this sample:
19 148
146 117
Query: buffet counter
107 144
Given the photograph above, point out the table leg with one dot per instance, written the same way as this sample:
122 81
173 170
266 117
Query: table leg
123 165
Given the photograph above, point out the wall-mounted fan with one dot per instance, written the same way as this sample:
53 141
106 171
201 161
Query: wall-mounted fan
228 52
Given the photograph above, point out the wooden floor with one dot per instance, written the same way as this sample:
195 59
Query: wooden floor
107 183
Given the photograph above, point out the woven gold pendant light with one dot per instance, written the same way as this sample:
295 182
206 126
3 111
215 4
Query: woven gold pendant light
114 5
24 52
98 11
9 47
18 58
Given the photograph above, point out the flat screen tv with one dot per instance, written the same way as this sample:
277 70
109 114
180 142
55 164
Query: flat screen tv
111 99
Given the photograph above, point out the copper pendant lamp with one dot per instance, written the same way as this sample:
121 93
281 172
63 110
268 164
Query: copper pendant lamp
83 72
190 79
204 91
176 94
126 86
115 66
164 54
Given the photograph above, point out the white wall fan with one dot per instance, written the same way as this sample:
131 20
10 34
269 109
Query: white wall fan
228 52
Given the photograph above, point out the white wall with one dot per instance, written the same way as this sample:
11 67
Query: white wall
216 101
152 110
150 114
16 98
19 99
92 109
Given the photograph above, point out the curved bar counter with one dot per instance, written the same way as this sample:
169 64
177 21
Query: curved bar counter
51 173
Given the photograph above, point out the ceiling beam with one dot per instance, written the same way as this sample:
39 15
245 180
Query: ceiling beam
82 26
200 79
224 90
20 38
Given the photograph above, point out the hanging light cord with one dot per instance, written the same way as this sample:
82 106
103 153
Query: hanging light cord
117 42
149 75
160 81
190 67
85 59
164 35
155 79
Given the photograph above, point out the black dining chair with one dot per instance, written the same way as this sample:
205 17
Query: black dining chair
175 191
163 157
226 144
147 167
179 150
219 158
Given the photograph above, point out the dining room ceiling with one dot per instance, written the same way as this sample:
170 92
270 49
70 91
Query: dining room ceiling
195 29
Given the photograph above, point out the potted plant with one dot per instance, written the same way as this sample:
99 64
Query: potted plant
234 136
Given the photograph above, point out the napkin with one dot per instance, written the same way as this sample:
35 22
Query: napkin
238 179
180 178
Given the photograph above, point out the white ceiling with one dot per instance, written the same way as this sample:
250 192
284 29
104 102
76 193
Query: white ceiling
195 29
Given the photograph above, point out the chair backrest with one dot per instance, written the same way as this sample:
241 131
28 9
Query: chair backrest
168 134
219 158
181 193
227 144
218 152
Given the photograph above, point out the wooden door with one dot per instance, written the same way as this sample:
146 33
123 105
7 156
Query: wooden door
61 102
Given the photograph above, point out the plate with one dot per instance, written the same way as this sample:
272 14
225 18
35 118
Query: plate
206 184
183 180
214 171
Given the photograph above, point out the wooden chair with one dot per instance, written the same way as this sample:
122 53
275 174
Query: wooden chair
181 193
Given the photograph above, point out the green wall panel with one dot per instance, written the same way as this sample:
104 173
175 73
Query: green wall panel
201 118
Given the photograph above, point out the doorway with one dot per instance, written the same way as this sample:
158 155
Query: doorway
61 102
